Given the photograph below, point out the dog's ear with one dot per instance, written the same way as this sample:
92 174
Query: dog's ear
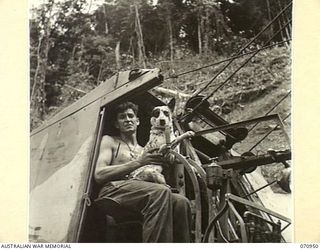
172 104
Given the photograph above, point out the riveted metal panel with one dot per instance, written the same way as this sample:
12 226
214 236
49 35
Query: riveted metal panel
60 157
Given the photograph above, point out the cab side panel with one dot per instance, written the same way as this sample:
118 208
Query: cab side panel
60 160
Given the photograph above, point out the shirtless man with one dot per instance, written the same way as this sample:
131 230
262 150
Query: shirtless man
166 216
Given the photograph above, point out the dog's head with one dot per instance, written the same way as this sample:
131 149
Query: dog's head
161 117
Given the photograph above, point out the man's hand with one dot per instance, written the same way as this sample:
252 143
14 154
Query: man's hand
151 158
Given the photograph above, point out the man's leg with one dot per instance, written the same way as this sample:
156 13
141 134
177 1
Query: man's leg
181 218
153 201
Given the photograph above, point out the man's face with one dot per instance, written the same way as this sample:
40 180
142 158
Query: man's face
127 121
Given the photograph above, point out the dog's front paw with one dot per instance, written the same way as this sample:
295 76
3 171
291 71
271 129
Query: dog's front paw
170 158
150 174
190 134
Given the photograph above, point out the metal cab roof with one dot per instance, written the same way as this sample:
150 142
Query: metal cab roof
117 86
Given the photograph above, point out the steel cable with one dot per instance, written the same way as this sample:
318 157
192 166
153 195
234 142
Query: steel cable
267 134
276 105
225 81
248 44
228 59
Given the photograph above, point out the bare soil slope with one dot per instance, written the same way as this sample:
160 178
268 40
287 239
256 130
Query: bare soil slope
253 91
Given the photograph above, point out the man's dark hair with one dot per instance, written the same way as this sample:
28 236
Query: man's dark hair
124 106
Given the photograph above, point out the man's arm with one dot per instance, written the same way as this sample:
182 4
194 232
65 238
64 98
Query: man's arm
106 172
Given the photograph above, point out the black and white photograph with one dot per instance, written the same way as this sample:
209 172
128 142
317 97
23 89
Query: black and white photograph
160 121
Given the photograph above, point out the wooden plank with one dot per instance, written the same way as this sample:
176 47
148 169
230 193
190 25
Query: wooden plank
141 84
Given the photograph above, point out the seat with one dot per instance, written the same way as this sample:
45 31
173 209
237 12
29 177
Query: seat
122 224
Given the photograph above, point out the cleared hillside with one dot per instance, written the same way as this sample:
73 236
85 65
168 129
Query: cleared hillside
252 92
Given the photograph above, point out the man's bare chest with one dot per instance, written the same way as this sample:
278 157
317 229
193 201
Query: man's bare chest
123 153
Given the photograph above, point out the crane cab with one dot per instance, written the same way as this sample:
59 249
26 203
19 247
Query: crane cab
63 154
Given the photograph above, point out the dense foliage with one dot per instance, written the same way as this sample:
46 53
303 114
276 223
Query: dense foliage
73 49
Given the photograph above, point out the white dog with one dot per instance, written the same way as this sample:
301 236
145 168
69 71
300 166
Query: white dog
161 134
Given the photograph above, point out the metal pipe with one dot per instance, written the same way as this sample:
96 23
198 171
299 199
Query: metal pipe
238 124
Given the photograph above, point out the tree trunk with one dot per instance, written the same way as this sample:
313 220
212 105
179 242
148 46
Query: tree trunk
106 25
138 29
131 50
283 20
282 34
170 38
100 72
270 31
35 77
199 34
117 54
206 32
218 33
38 93
81 51
73 53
